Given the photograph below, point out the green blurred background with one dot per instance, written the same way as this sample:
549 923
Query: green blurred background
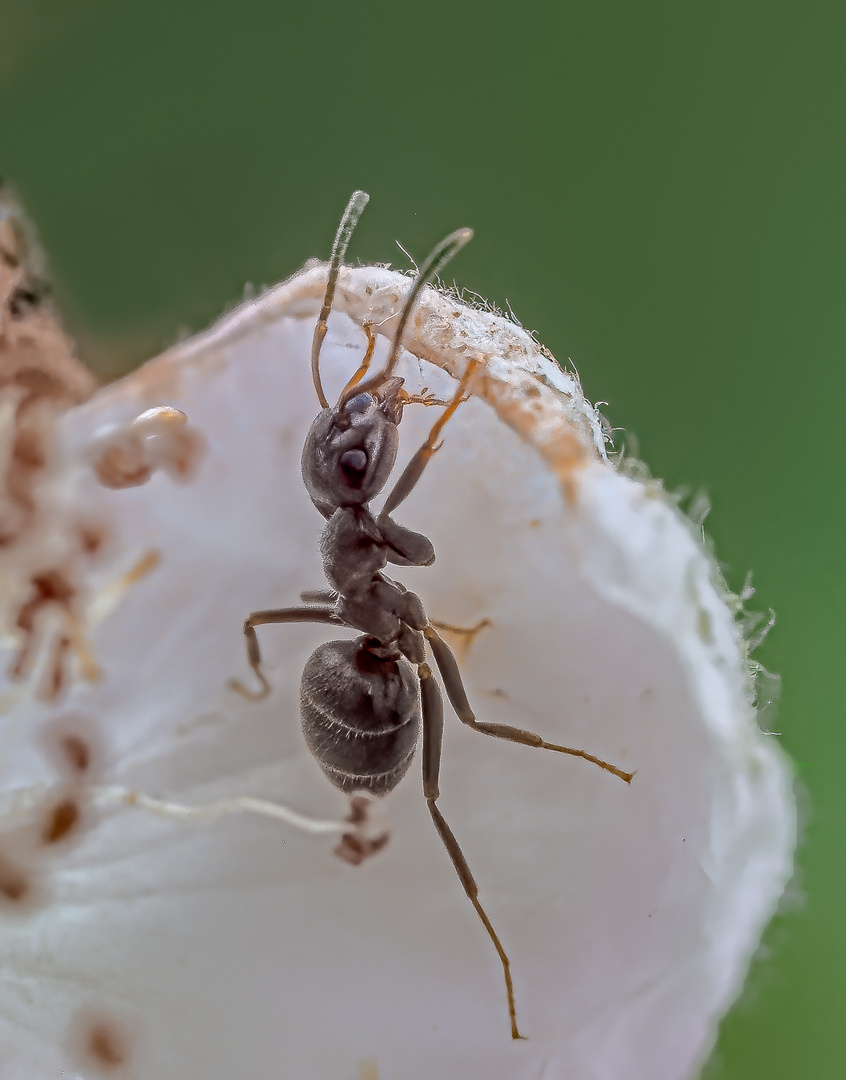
657 188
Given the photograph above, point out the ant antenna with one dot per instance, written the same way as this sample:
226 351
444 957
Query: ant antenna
358 201
433 265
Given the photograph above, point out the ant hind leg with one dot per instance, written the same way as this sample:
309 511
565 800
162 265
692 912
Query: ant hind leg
433 729
448 668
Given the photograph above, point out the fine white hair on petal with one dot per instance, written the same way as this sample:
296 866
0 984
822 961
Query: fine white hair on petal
179 950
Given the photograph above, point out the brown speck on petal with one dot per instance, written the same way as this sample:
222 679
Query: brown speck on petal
61 820
72 744
15 883
92 537
77 752
101 1043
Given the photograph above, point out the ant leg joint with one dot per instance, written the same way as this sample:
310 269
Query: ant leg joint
245 691
254 660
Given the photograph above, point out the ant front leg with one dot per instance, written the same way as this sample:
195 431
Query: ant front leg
366 359
433 730
448 668
274 615
414 469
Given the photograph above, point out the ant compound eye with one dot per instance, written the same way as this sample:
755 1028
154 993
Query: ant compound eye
359 404
353 465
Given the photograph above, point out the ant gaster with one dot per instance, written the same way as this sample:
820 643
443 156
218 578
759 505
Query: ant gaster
363 700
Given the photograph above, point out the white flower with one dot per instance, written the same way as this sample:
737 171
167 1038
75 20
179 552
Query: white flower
144 946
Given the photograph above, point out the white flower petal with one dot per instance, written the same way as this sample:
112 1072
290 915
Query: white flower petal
630 913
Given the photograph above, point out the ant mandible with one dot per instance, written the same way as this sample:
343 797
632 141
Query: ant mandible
363 701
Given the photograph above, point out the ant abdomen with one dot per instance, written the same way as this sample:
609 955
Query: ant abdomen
360 714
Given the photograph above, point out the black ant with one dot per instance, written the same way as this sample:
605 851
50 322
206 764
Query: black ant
363 700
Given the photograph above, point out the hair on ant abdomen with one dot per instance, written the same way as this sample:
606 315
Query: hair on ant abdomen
364 701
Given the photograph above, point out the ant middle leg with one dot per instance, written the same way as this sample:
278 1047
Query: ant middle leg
448 668
274 615
433 729
318 596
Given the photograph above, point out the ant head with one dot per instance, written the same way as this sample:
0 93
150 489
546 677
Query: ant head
350 450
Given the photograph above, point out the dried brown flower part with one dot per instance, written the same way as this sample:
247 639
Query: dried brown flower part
41 540
47 544
40 377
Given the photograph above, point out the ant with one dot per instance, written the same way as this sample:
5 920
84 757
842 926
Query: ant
363 701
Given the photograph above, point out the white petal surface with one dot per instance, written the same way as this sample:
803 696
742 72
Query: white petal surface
245 948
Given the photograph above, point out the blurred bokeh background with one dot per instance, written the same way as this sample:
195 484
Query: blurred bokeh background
657 188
